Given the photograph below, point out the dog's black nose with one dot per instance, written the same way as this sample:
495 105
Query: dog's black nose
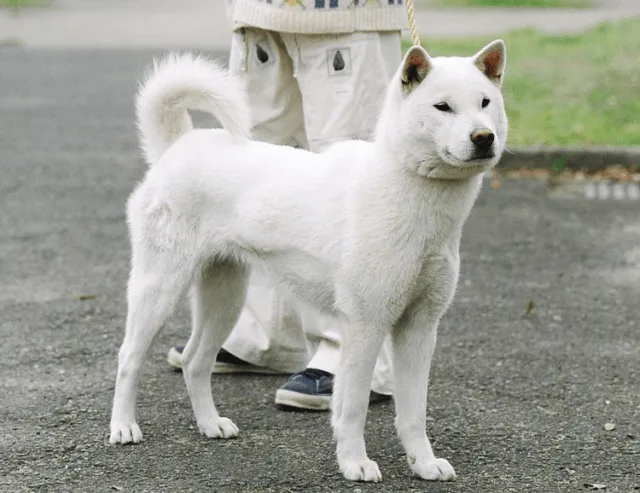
482 138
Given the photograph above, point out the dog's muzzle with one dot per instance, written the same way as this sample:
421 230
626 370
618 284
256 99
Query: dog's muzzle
482 140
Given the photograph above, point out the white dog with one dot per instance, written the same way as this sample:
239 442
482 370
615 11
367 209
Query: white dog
366 231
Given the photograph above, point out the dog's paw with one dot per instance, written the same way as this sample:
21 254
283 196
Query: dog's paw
219 428
434 470
361 470
125 433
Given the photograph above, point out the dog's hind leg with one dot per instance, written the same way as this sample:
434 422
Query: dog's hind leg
414 341
156 284
361 344
217 300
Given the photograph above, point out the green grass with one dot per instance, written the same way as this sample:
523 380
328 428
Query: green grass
513 3
568 90
5 42
18 4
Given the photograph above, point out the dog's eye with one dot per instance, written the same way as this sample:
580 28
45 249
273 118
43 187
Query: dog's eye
485 102
442 107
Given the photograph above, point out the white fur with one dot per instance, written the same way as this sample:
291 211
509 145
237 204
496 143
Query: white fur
368 232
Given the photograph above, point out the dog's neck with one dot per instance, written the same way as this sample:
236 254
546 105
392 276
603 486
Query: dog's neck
450 199
443 201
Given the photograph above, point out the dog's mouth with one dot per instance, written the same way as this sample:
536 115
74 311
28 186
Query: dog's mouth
481 157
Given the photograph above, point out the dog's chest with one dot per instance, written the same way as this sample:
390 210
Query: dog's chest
431 244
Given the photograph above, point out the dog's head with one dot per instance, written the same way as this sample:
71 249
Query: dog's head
448 112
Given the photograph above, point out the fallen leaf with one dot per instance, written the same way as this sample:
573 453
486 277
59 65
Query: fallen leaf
559 164
84 297
530 307
496 184
609 426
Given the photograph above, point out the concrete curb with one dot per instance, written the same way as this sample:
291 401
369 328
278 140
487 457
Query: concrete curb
572 158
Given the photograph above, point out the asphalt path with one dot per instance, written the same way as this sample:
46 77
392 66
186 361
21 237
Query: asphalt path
539 351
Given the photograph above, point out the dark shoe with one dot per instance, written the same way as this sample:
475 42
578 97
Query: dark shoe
375 398
309 389
225 363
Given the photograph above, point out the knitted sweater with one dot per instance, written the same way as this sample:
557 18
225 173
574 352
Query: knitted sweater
319 16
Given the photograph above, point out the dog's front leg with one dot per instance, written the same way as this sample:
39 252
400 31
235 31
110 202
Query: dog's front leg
414 342
360 347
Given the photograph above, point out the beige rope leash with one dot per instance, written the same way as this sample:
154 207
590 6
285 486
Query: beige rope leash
415 37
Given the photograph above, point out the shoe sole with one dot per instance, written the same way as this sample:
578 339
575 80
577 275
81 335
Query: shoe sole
289 398
174 358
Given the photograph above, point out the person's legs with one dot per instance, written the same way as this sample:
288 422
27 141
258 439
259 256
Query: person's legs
261 61
343 80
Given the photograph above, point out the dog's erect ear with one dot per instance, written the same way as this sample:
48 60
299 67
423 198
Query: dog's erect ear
492 60
415 67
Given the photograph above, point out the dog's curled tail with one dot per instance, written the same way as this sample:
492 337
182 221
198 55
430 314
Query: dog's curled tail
180 82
